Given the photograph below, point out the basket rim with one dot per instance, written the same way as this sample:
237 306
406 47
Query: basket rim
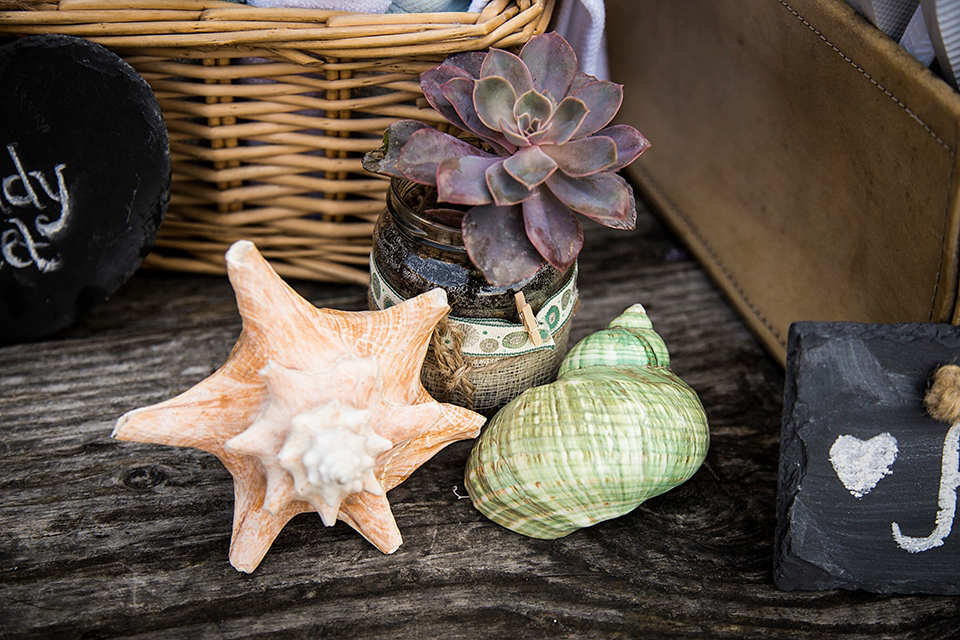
219 26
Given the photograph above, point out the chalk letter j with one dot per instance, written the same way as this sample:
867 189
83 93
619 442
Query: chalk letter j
949 481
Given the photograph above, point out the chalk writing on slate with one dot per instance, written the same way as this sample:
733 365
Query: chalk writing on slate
946 500
868 481
84 180
20 246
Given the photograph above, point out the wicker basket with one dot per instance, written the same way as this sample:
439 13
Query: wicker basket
270 110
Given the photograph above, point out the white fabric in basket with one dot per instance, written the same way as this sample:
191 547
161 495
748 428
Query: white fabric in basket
428 6
582 23
364 6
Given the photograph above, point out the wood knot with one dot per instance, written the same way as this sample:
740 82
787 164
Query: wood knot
142 479
943 397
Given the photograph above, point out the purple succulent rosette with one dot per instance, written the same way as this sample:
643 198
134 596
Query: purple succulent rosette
549 152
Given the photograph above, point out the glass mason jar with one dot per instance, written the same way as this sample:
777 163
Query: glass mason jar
482 355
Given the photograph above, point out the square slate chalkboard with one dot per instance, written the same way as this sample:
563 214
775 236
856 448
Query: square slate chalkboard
867 492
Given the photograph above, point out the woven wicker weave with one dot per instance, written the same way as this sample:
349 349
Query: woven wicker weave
270 110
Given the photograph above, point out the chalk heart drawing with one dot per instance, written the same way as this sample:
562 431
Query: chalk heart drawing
861 464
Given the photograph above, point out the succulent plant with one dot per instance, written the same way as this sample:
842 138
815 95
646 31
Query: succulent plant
545 152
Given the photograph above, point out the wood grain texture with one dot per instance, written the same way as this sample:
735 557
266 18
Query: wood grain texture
101 539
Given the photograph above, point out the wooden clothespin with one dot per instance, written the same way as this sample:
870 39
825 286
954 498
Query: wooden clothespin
528 319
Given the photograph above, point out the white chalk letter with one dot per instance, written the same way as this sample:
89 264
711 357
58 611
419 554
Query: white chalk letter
21 175
949 481
43 224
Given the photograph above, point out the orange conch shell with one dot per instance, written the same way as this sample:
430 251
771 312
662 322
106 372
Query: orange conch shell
314 410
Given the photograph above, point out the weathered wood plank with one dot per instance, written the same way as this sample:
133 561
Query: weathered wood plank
100 539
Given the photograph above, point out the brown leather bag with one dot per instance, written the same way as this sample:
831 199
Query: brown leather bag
805 158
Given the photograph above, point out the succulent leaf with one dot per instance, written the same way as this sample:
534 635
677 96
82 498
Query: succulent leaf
525 122
511 131
384 159
459 93
462 180
583 157
564 122
530 166
532 111
579 82
432 81
630 143
503 64
426 149
469 61
603 197
552 63
553 229
603 98
494 99
506 189
497 244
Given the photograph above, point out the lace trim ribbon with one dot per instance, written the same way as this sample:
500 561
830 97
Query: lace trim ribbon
494 337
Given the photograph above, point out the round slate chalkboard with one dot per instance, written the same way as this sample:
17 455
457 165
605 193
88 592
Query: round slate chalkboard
84 180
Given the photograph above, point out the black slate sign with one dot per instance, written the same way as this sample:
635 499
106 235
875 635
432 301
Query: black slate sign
84 180
868 481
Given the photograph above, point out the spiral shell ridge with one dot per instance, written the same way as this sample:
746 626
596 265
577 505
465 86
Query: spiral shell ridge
629 340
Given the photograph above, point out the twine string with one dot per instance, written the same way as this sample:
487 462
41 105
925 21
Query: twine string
445 357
